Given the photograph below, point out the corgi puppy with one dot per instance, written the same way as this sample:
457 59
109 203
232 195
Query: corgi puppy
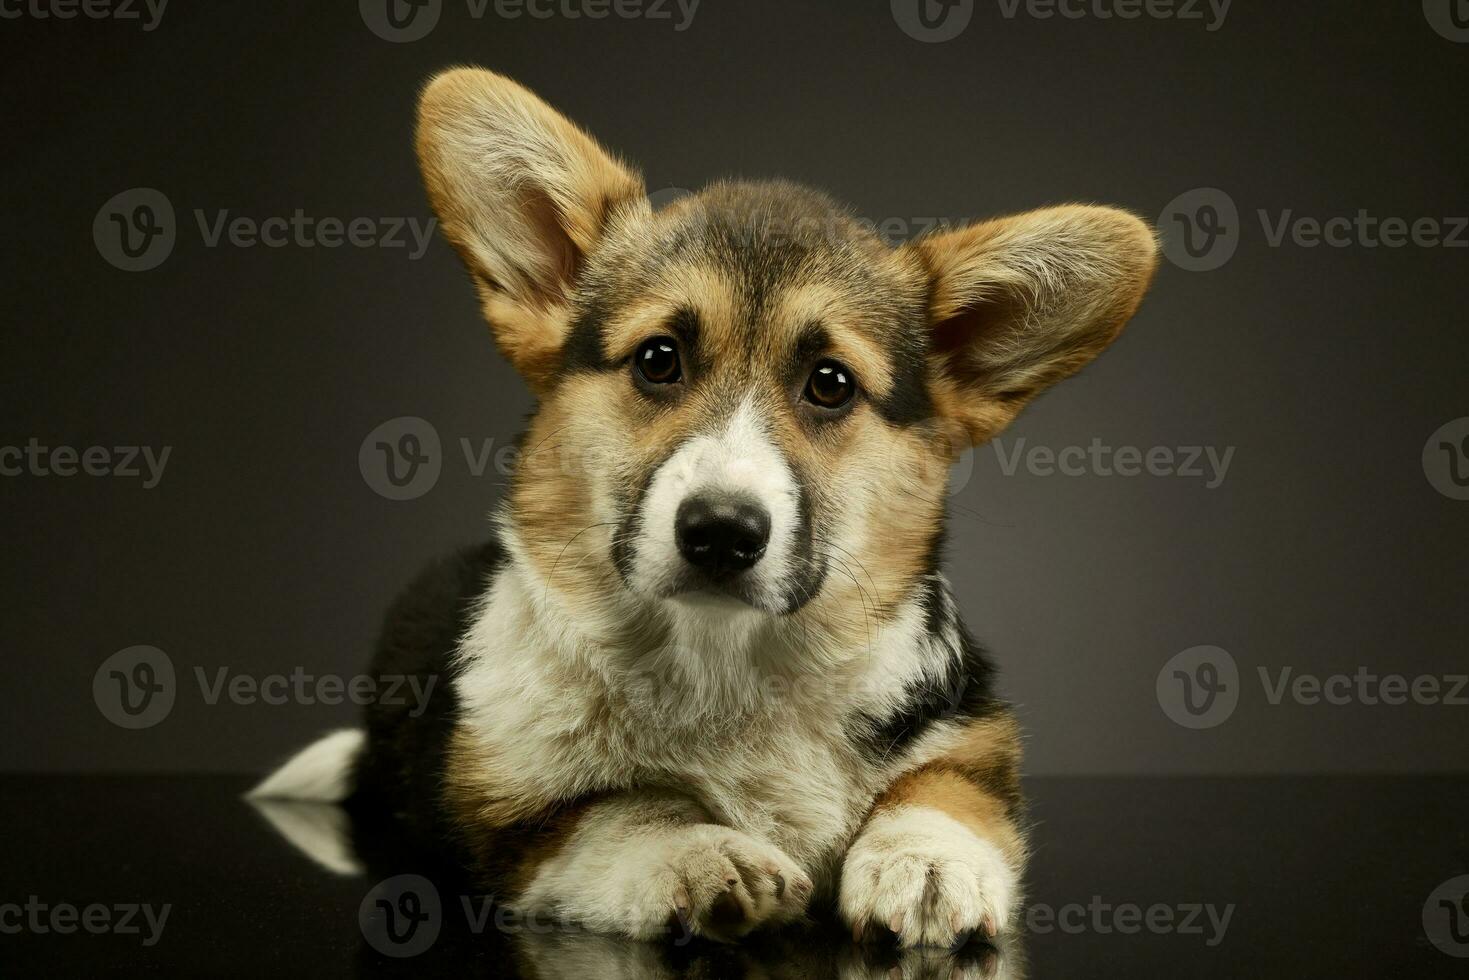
708 671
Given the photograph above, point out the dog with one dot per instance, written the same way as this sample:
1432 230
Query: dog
708 670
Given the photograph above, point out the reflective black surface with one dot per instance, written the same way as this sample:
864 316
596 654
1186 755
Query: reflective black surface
1290 877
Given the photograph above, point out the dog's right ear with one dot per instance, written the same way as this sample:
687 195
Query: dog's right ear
525 196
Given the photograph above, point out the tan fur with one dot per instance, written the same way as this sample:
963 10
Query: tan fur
842 314
1020 303
524 195
977 782
972 323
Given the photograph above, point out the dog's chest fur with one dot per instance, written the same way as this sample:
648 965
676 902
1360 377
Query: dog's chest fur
556 720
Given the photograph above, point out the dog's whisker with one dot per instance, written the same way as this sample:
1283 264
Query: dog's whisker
552 574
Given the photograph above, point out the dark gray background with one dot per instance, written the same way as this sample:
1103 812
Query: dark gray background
264 548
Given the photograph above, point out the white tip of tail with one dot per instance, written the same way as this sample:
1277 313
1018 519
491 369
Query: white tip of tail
322 771
321 831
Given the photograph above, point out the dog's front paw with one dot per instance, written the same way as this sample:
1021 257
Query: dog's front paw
712 881
927 878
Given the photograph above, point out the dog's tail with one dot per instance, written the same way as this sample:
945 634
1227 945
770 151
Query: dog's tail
321 772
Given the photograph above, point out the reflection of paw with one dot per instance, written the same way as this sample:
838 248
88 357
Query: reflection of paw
711 880
927 878
973 962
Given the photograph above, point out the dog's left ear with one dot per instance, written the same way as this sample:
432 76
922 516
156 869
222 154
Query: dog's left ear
1019 303
525 196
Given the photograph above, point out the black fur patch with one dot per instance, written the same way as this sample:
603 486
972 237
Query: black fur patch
909 402
583 348
961 688
764 236
401 769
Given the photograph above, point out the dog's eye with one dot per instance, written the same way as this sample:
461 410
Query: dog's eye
657 361
831 385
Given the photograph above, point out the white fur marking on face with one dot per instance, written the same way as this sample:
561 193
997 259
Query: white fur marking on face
740 459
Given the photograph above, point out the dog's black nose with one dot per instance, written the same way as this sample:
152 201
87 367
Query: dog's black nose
723 536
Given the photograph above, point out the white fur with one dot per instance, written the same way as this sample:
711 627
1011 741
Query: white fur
322 771
738 459
926 876
638 859
321 831
753 722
